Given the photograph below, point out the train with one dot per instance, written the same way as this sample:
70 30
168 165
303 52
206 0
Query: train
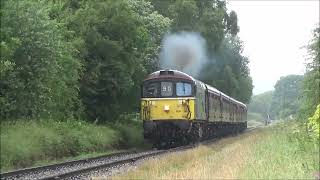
178 109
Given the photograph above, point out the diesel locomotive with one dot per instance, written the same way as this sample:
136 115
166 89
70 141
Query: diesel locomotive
177 109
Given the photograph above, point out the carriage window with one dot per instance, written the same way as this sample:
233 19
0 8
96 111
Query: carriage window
166 89
151 89
183 89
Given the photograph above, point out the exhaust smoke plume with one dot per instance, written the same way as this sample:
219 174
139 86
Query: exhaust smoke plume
183 51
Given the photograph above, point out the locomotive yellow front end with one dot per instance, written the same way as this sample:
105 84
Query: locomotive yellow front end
159 109
167 105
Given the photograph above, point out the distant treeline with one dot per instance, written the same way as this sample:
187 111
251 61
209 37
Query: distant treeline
86 59
281 103
295 96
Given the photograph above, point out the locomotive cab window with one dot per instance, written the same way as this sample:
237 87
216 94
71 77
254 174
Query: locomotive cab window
166 89
183 89
151 89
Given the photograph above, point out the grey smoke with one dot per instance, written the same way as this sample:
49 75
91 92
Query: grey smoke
184 51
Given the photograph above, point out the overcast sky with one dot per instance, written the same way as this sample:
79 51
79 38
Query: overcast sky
274 33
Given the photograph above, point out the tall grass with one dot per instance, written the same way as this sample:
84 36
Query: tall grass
25 143
282 151
286 151
130 128
217 161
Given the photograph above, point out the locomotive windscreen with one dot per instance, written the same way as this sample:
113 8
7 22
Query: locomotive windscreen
166 89
183 89
151 89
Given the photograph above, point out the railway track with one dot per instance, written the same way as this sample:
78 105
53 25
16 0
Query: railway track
74 169
42 172
83 169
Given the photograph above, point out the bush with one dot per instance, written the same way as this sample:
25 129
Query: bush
314 123
131 131
23 143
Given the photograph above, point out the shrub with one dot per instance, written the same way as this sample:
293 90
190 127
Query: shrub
131 134
23 143
314 122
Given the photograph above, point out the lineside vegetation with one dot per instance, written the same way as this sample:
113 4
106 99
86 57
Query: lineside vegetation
26 143
282 151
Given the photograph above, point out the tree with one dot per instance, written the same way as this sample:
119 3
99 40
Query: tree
310 94
184 15
285 100
261 104
65 57
232 23
120 43
156 26
38 72
228 70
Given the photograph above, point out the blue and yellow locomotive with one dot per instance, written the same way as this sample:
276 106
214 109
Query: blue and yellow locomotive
176 108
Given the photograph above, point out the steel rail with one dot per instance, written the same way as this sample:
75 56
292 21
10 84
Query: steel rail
21 172
114 163
79 171
130 160
98 167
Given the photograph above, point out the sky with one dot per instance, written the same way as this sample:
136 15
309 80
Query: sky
274 35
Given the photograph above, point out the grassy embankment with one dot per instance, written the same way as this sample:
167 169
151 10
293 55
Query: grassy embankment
29 143
275 152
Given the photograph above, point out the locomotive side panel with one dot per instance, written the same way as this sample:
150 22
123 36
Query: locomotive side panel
214 107
200 103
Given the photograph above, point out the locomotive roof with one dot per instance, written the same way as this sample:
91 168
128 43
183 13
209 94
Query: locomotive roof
175 74
169 74
213 89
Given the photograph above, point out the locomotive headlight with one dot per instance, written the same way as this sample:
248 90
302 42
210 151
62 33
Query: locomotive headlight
166 108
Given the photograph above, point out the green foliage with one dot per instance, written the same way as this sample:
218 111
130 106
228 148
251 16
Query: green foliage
227 68
78 59
295 94
131 131
62 58
285 100
184 15
314 122
156 26
38 72
120 42
229 71
310 93
131 135
261 104
285 152
23 143
314 51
